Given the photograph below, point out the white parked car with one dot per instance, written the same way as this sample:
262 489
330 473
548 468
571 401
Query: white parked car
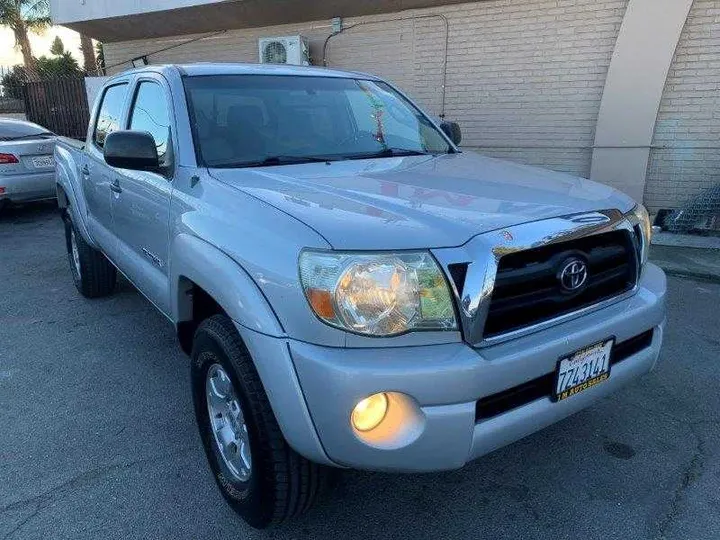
27 167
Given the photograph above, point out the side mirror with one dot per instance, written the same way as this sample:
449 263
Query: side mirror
131 150
452 130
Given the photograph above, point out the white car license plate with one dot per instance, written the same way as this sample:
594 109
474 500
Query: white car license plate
583 369
42 162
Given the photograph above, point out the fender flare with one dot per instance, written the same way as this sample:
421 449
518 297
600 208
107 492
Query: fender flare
197 261
68 199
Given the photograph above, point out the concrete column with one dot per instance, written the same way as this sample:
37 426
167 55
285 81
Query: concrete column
634 86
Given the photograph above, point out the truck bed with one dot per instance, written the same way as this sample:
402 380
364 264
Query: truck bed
73 143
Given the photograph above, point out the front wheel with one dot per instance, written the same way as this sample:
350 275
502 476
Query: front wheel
260 476
93 275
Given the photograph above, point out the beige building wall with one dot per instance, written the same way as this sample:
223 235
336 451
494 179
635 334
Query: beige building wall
685 158
633 90
524 79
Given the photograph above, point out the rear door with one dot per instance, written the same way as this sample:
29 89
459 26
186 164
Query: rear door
98 178
141 200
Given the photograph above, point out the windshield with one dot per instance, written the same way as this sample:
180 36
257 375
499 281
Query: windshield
252 120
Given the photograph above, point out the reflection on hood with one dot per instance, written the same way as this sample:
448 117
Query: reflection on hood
419 201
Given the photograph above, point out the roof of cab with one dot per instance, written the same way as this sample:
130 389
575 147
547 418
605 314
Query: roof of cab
211 68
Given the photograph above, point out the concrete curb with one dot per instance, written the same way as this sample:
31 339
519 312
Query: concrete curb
687 262
686 240
685 273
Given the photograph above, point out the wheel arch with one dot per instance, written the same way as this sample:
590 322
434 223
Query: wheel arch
62 197
69 190
206 281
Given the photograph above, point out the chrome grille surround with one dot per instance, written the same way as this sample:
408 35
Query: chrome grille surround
482 254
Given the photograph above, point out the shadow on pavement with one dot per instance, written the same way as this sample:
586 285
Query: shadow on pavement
28 212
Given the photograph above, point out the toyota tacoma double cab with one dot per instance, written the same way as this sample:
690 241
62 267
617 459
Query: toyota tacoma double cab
353 290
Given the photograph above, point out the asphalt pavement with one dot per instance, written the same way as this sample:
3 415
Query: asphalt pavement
98 438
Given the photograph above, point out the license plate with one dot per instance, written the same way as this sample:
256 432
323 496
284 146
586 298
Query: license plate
42 162
583 369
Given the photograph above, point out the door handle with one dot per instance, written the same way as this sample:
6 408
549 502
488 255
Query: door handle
85 170
115 186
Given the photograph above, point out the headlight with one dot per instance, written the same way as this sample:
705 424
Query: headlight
380 294
641 219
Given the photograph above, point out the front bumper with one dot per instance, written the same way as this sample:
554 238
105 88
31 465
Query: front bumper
444 383
28 187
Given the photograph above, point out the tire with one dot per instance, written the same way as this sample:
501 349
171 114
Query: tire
93 275
280 484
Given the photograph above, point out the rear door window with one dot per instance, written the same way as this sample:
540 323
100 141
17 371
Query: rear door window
109 115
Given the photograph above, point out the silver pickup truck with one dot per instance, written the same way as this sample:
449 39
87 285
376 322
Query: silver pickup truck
353 289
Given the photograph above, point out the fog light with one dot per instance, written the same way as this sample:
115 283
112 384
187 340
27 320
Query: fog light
369 412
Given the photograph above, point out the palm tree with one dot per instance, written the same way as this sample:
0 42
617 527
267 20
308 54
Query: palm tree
88 52
100 53
22 16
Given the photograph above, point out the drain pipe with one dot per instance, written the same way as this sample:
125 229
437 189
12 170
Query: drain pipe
339 29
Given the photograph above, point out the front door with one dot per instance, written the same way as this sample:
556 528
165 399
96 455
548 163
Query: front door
97 176
141 199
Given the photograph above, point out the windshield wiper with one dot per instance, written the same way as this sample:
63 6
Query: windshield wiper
291 160
388 152
275 160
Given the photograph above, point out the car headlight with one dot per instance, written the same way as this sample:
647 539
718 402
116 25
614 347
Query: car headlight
641 221
381 294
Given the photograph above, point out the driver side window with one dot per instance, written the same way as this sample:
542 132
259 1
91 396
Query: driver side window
108 118
150 113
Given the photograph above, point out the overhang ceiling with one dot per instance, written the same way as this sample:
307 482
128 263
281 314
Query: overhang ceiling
235 14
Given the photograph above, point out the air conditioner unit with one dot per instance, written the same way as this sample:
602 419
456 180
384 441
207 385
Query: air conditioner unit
292 50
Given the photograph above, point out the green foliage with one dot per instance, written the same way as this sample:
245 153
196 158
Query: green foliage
13 81
25 14
21 16
63 65
57 48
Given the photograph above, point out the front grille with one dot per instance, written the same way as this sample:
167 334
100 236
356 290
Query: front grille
541 387
528 289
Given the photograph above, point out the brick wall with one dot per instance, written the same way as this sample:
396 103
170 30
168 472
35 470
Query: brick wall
524 77
688 123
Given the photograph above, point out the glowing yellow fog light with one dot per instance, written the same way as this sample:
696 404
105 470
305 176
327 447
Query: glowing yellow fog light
369 412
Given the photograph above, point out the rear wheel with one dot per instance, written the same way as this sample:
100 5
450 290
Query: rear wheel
93 275
260 476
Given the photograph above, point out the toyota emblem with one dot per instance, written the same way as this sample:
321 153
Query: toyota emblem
573 274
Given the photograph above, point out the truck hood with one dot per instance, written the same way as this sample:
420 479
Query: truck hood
419 201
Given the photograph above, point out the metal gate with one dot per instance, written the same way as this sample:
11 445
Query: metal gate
59 105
